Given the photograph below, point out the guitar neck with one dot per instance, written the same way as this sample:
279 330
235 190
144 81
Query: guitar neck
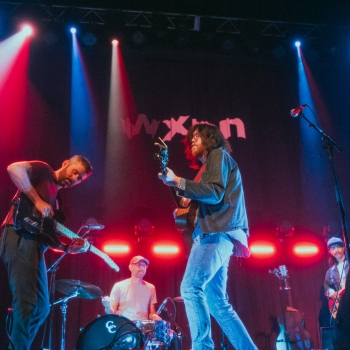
289 298
181 202
68 233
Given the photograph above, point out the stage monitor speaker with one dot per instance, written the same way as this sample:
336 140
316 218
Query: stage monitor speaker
326 338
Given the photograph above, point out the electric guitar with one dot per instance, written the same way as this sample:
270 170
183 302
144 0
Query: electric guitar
28 218
333 304
186 212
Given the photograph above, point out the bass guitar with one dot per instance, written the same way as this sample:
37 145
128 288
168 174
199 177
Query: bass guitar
292 335
29 219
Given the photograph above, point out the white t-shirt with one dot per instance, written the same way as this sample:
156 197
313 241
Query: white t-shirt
133 299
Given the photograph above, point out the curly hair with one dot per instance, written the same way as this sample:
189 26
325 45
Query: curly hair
212 138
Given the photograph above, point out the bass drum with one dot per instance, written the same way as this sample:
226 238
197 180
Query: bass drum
110 331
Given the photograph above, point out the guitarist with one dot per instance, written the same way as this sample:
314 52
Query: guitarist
334 284
23 253
220 231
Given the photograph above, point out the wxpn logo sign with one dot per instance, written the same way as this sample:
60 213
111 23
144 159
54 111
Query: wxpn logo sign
176 126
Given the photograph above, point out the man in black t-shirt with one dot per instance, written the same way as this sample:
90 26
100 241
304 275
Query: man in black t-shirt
23 253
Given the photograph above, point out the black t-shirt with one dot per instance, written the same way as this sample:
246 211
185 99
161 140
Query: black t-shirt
43 180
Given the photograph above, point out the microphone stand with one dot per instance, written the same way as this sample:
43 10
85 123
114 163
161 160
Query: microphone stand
179 331
329 144
52 288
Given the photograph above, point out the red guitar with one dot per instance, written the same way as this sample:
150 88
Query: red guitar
333 304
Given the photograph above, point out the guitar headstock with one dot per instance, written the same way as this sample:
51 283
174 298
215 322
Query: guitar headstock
282 274
283 271
162 155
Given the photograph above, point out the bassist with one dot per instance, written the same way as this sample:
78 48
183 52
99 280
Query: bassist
23 253
221 230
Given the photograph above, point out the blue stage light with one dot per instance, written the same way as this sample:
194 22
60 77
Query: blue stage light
297 43
73 30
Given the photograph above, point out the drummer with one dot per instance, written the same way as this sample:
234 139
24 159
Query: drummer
133 298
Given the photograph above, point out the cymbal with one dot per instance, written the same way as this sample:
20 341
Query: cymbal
84 290
178 299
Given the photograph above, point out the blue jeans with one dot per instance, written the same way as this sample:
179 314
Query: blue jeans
26 269
203 289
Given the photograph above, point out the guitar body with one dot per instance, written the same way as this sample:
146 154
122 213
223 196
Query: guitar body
294 336
28 218
185 214
333 304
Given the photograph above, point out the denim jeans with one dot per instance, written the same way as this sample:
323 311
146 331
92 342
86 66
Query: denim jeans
203 289
26 269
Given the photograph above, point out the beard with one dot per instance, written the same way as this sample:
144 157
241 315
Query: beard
62 179
198 151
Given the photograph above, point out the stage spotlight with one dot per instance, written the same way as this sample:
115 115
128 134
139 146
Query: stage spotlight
297 43
73 30
143 223
115 42
279 51
332 229
50 38
27 29
138 37
228 44
89 39
284 230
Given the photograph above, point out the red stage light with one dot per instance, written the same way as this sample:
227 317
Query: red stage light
166 249
262 249
115 42
116 248
305 249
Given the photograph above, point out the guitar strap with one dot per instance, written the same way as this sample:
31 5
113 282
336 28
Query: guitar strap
185 201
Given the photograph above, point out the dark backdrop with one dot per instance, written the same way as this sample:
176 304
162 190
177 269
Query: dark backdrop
204 87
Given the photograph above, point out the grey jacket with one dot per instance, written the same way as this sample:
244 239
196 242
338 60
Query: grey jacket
220 195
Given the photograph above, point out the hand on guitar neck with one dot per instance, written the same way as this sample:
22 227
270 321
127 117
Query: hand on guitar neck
169 178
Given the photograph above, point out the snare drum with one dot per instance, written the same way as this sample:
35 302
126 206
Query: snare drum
161 334
104 331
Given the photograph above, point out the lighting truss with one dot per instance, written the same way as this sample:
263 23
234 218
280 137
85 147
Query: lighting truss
146 19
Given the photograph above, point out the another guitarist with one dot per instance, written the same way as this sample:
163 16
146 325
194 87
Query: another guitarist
221 230
334 284
23 253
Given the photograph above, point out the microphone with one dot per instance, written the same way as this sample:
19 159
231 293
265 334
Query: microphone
162 306
94 227
92 224
296 111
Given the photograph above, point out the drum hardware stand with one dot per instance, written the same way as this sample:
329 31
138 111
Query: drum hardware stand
52 288
63 308
179 333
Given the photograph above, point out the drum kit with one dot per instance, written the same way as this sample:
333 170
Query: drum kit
113 331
